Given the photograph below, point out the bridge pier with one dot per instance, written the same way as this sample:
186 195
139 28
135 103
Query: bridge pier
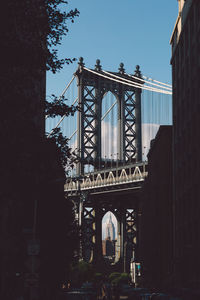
114 186
93 206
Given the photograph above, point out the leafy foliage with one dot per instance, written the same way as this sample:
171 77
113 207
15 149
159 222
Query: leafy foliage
56 28
125 278
113 276
81 272
66 157
119 278
37 26
31 166
98 277
57 107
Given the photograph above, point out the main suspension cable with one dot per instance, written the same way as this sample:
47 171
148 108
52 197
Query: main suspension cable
138 78
162 85
137 85
145 77
140 85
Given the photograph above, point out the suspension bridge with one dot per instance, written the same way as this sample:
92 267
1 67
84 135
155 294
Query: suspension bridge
110 135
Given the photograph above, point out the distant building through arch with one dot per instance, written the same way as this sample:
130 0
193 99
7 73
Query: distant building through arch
108 244
110 229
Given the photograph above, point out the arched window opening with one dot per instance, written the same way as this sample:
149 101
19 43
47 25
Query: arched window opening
110 238
109 122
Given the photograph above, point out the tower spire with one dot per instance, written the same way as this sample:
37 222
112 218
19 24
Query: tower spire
110 219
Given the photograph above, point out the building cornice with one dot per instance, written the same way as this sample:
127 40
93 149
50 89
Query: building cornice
184 9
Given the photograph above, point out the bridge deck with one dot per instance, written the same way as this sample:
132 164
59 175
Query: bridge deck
122 177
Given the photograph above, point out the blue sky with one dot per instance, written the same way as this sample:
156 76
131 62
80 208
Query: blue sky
129 31
135 32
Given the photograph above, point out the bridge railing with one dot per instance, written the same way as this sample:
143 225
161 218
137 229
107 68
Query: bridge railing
131 173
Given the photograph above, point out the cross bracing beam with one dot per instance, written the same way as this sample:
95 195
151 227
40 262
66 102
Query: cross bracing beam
93 86
102 118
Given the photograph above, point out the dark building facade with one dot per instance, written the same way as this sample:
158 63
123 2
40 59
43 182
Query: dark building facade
31 176
185 61
155 245
108 247
22 94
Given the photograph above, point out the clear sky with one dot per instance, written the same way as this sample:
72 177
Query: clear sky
129 31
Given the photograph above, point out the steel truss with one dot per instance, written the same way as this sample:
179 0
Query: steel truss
91 90
92 213
118 178
103 190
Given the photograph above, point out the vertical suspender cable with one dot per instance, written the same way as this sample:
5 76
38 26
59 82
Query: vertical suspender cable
151 117
107 128
156 103
103 147
159 106
142 120
162 107
109 124
112 127
156 107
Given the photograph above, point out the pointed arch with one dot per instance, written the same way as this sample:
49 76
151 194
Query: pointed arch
109 125
110 238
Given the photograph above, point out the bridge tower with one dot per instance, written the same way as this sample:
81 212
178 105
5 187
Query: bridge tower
116 190
92 87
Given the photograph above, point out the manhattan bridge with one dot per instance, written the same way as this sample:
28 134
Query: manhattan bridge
119 114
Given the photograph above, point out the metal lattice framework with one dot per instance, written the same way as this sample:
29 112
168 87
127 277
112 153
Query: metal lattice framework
88 233
89 120
120 177
102 190
113 185
130 134
92 87
126 243
131 231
